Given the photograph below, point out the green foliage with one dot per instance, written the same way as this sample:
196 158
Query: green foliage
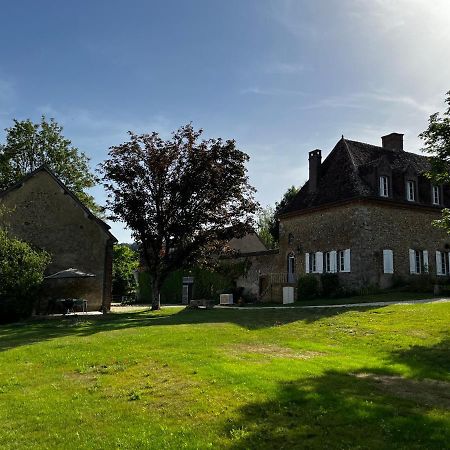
422 283
330 284
29 145
308 287
437 144
274 224
125 262
208 283
21 273
264 224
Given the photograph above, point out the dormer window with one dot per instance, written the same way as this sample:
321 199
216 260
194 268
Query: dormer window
384 186
436 194
411 190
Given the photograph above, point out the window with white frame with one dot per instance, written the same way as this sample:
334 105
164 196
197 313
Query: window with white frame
418 261
442 263
411 190
341 263
330 261
388 261
327 259
384 186
343 260
312 263
436 193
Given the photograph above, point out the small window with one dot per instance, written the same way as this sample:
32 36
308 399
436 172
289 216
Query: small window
341 261
411 191
388 261
436 195
327 262
312 263
384 186
418 261
442 266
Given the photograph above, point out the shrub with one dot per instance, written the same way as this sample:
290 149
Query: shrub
21 274
422 283
308 287
330 284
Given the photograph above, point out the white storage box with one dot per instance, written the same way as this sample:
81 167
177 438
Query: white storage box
226 299
288 295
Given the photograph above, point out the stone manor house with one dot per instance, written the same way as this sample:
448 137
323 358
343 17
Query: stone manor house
366 214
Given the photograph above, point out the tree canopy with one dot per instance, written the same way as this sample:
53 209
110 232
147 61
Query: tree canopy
182 198
29 145
437 144
268 223
21 273
125 262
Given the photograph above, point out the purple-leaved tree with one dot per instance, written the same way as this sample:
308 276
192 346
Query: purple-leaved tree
182 198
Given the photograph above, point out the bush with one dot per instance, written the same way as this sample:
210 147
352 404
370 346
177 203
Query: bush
330 284
308 287
21 274
422 283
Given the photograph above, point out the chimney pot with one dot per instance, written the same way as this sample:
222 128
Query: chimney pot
393 141
315 161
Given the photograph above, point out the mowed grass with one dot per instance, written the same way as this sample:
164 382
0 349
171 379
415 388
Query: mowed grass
333 378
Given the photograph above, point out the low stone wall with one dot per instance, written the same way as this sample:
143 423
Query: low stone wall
260 263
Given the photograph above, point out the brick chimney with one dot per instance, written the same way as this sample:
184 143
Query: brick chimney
393 141
315 160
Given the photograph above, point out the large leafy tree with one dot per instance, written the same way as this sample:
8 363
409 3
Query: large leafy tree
183 198
437 144
29 145
125 262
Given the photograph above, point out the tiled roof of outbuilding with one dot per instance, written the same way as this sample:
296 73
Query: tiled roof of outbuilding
340 173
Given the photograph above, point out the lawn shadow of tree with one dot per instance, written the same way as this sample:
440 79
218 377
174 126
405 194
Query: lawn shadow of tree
426 361
42 329
338 410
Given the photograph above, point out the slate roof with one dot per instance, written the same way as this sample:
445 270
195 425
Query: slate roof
341 173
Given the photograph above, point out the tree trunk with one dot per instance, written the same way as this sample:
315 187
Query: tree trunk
156 305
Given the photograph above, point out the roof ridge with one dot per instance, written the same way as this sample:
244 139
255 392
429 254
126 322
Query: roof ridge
46 168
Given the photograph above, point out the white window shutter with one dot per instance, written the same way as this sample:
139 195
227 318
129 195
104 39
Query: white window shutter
333 261
438 263
307 262
346 260
425 261
319 262
381 186
388 261
412 261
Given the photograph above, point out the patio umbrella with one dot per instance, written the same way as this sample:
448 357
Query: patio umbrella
66 285
69 273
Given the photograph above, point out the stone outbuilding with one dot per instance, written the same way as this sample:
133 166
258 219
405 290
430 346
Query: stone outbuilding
44 212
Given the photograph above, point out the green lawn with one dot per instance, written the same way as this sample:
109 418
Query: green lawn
288 378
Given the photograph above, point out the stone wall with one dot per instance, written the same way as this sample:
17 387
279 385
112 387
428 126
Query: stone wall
42 213
366 228
259 263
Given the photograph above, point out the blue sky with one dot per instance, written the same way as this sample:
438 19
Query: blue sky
281 77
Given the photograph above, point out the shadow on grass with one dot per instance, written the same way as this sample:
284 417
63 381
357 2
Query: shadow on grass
36 330
426 362
341 410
